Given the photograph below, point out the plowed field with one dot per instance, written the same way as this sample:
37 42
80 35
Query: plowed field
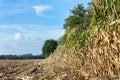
15 69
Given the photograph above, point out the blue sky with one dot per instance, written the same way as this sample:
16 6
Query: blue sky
26 24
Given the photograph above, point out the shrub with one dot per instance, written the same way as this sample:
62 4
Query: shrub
49 47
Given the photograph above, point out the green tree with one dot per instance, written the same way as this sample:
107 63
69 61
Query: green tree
49 47
79 18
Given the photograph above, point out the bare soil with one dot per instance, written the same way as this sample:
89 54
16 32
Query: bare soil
16 69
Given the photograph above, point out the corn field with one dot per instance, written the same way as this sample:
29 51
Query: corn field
103 51
93 54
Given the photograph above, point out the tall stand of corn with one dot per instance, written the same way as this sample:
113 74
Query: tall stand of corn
103 52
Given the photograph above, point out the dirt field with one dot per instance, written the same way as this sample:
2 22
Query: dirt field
14 69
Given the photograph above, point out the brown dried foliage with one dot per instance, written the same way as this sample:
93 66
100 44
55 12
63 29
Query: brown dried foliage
103 55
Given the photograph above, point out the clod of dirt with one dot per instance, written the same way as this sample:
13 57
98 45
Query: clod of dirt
1 75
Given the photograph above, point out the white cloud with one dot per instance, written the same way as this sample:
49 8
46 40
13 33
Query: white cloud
18 36
40 8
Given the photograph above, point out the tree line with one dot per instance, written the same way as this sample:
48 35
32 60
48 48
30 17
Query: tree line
19 57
